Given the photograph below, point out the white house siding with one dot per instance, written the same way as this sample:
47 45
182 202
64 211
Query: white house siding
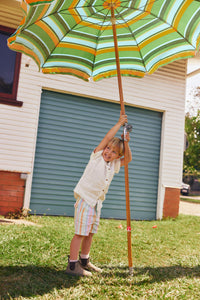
163 91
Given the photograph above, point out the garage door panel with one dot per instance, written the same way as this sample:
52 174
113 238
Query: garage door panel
70 127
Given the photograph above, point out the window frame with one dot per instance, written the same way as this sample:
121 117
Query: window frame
11 99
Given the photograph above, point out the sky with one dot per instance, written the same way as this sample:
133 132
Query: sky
192 82
193 64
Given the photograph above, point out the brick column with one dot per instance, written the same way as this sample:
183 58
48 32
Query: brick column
11 192
171 202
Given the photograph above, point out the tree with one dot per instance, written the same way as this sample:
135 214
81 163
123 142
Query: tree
191 167
193 103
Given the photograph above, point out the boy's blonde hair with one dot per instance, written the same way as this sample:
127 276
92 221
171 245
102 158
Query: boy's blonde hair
119 143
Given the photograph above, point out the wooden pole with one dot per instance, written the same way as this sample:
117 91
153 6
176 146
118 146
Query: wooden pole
128 218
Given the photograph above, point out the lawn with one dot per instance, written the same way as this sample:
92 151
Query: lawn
188 199
166 260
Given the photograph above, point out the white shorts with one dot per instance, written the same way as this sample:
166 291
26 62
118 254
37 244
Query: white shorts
86 218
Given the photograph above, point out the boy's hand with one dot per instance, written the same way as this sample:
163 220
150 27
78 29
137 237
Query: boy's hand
127 137
123 119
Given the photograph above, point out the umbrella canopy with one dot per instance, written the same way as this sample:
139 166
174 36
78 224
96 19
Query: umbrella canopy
75 36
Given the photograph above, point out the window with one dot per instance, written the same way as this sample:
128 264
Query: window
9 70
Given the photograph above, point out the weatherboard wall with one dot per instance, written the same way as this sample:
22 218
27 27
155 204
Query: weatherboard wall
10 13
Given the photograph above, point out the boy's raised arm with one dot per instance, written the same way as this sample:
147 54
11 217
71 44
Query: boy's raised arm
112 132
129 151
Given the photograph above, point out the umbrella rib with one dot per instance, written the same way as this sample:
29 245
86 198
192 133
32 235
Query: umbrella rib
100 23
162 20
99 34
175 30
132 34
100 31
72 29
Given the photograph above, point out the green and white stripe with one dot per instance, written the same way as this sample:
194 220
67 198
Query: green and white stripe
75 36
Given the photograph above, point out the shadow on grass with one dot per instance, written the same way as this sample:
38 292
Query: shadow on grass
155 274
166 273
29 281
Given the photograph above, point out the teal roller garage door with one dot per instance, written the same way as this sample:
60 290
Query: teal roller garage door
70 127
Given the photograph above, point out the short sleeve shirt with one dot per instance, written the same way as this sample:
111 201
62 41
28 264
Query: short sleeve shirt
96 179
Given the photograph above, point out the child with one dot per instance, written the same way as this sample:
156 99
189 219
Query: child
90 193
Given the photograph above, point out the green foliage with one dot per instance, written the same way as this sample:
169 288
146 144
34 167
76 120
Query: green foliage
192 153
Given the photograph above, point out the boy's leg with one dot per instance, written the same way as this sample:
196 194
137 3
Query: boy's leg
74 267
85 250
75 246
84 257
86 244
85 225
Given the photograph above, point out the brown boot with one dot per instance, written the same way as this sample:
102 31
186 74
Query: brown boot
75 269
87 265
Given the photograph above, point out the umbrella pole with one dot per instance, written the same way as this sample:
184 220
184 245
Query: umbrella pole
128 218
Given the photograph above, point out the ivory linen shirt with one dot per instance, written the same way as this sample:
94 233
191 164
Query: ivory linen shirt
96 179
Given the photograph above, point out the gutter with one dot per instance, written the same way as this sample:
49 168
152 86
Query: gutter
197 71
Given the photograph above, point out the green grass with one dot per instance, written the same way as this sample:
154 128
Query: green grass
192 200
166 260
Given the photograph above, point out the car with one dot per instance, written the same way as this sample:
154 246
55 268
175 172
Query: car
185 189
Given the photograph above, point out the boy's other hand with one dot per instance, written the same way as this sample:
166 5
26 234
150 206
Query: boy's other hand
123 119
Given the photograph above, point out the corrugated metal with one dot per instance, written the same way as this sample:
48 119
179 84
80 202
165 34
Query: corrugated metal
70 127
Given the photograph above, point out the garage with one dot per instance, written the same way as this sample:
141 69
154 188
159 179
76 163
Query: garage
69 129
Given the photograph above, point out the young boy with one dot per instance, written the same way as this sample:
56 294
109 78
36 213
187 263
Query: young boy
90 192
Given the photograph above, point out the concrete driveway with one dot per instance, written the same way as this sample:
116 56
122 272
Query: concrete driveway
187 208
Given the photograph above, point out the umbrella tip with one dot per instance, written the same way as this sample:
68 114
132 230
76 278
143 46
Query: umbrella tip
131 271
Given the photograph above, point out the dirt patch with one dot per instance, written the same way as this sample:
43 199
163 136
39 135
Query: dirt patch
17 222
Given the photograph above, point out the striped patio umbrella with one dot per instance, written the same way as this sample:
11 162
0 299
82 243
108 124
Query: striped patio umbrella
75 36
105 38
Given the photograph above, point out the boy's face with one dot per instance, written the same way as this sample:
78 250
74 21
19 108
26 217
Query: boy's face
110 153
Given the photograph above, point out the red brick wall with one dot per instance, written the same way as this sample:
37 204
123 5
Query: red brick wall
11 192
171 202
